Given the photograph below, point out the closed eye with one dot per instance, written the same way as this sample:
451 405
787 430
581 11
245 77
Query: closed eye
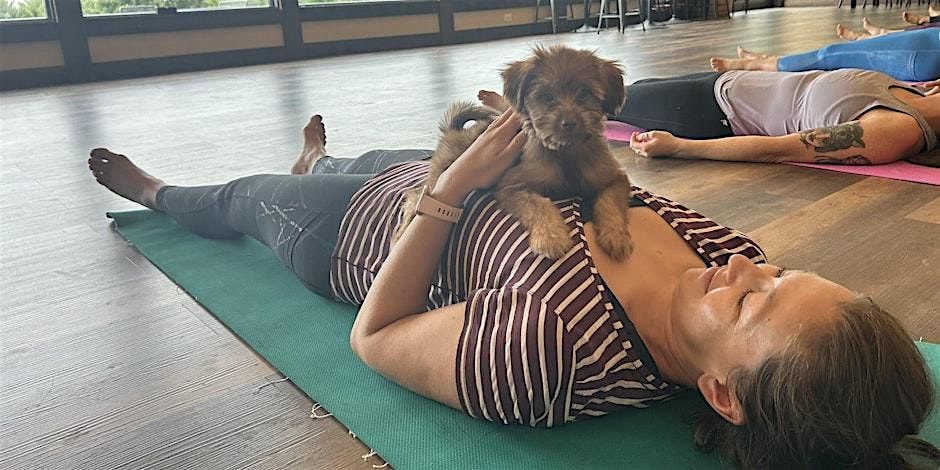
743 296
782 272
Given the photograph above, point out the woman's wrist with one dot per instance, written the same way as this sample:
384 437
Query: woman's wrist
449 193
684 148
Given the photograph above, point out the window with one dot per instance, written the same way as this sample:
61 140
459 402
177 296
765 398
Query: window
137 7
321 2
23 9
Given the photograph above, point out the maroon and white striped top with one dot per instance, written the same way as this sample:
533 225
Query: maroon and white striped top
543 341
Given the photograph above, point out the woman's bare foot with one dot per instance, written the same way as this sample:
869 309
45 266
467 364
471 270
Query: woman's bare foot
915 19
723 64
117 173
746 54
851 35
493 100
873 29
314 146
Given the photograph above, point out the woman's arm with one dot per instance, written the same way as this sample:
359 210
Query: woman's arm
393 333
880 136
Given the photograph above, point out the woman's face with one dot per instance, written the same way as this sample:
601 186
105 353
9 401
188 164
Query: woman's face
739 314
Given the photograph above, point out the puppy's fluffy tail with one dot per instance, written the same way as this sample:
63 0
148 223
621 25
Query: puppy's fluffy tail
462 112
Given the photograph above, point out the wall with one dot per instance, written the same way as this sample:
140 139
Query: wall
78 49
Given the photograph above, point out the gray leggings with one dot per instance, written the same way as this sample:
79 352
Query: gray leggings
297 216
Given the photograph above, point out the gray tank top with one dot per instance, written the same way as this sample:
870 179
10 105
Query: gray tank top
781 103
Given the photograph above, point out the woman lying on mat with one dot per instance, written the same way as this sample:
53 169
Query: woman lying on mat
871 30
850 116
905 55
467 315
933 16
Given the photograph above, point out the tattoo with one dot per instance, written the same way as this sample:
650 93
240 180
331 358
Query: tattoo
853 160
830 139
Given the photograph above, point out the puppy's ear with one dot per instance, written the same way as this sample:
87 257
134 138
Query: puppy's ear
516 78
614 92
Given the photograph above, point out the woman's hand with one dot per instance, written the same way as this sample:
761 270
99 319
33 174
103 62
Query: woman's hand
484 162
654 144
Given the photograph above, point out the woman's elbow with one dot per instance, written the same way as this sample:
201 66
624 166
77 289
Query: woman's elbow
359 342
889 154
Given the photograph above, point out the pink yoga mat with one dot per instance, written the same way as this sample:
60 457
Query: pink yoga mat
903 171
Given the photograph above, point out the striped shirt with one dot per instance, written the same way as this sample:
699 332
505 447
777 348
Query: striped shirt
543 342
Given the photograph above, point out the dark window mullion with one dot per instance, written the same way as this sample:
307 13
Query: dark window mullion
73 39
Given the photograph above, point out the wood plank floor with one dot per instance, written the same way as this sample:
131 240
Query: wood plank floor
107 364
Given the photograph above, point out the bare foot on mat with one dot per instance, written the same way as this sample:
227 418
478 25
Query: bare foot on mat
117 173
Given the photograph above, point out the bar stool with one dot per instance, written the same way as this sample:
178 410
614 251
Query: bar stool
607 16
621 13
551 6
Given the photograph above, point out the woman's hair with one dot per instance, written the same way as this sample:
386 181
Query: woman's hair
846 395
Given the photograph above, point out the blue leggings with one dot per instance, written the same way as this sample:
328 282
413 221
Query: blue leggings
906 55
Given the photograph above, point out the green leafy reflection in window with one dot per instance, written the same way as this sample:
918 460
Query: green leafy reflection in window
116 7
22 9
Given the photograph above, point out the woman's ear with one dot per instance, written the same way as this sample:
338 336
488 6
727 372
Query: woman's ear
721 399
615 94
516 78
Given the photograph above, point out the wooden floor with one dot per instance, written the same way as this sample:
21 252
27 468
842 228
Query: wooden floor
106 363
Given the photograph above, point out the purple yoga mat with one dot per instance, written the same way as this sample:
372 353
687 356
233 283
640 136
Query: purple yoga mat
903 171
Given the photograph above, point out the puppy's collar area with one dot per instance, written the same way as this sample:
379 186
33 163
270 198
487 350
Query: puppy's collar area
427 205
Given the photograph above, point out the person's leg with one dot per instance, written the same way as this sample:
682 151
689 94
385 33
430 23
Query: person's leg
313 158
297 216
765 62
850 34
369 163
684 106
875 30
747 54
892 54
914 18
926 66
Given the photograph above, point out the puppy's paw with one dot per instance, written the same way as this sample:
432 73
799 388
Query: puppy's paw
615 241
550 240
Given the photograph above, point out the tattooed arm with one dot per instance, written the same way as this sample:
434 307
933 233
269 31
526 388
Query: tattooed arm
881 136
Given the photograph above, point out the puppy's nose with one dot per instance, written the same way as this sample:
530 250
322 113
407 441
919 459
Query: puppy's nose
569 124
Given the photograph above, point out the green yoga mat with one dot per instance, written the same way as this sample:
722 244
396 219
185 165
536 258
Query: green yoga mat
307 338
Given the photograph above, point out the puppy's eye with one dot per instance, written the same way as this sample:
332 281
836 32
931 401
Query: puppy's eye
547 98
584 94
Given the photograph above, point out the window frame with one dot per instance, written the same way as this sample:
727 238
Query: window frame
367 9
111 25
50 17
272 5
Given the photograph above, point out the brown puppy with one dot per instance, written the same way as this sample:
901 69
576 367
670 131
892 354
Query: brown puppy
563 96
454 140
